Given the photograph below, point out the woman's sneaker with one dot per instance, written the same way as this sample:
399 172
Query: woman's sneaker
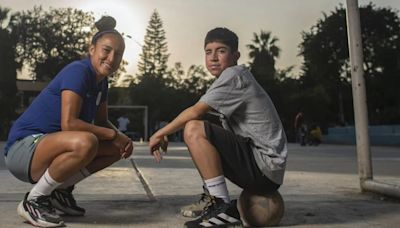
64 202
39 212
217 213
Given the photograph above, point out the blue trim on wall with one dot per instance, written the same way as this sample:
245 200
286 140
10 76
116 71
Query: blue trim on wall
378 135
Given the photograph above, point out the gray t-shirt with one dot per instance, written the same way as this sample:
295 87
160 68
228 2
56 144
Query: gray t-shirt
249 112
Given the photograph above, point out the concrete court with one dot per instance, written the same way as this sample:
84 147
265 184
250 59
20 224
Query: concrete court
321 189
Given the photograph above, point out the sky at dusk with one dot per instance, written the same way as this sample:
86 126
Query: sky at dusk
187 21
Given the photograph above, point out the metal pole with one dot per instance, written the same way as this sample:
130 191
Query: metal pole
359 97
146 127
381 188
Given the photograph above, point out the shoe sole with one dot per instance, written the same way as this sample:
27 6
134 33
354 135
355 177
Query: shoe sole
27 217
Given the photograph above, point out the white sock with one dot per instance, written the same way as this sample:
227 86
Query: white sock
44 186
217 187
77 177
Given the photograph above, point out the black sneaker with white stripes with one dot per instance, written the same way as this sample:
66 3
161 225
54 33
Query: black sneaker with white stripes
217 213
65 203
39 212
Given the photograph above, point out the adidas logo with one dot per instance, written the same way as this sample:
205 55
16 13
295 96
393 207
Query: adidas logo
220 219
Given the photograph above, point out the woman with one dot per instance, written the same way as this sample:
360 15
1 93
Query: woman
64 135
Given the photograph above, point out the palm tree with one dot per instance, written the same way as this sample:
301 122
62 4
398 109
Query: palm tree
263 53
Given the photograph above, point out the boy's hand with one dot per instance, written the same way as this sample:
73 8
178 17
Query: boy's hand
158 145
164 144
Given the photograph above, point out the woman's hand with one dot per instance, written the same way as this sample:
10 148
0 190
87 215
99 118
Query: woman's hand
124 144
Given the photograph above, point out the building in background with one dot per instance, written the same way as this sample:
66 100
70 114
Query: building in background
27 91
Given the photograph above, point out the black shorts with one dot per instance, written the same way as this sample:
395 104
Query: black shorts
237 159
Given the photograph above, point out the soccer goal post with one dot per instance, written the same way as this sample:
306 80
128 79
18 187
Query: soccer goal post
360 106
115 111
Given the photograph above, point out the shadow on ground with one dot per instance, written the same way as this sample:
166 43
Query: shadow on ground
300 210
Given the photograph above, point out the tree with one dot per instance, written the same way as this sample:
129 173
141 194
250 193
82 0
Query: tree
8 75
194 81
263 54
153 73
49 40
154 56
113 80
188 86
326 63
165 91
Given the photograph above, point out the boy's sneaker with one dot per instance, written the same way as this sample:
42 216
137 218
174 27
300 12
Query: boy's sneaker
64 202
194 210
217 213
39 212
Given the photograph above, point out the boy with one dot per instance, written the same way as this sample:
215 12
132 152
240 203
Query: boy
250 150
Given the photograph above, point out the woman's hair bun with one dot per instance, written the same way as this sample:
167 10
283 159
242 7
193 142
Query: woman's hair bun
106 23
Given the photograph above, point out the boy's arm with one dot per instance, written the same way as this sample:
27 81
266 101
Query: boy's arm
192 113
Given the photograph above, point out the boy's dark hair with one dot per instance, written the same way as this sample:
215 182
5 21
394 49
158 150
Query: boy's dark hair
224 36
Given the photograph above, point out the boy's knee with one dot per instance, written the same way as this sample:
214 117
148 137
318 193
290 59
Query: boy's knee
193 130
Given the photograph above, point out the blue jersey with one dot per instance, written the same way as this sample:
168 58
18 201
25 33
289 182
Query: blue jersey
44 114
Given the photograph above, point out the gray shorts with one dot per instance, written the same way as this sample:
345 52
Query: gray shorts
19 157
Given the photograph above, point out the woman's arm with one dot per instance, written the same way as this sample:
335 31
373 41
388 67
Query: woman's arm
71 104
70 108
120 140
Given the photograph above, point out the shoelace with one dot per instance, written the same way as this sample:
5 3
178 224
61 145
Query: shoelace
68 195
43 202
209 206
204 198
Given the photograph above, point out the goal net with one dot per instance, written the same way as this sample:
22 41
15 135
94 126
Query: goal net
130 119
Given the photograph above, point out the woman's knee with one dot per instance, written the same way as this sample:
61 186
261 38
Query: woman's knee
193 130
85 144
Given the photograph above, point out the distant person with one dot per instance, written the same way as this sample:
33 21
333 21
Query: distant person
123 123
303 134
315 135
301 129
250 149
64 136
298 124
